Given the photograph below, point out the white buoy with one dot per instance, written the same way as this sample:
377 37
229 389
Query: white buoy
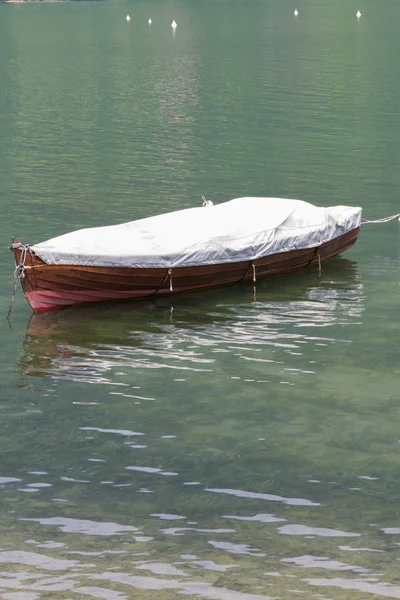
358 14
149 21
296 12
127 18
174 25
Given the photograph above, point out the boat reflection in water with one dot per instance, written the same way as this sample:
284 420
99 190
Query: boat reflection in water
88 343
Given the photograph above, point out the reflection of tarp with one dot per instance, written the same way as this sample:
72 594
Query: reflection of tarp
240 230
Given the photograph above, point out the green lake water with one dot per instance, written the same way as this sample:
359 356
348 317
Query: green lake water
224 445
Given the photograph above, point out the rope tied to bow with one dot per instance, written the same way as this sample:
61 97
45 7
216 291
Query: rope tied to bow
19 274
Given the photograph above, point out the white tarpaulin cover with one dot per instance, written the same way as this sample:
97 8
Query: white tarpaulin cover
239 230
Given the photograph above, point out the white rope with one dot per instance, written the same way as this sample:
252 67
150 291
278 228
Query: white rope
319 263
384 220
19 274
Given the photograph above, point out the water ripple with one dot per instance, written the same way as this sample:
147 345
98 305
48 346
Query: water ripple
269 497
318 531
84 526
320 562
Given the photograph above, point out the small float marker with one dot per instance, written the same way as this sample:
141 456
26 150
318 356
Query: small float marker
149 21
358 14
127 18
296 12
174 25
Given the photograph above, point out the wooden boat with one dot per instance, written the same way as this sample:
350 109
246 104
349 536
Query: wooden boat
275 236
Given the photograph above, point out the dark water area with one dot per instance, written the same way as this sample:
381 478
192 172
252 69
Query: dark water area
234 444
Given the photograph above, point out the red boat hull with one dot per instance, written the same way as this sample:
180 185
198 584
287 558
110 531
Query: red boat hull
53 286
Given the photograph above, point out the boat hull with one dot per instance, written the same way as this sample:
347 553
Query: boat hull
48 287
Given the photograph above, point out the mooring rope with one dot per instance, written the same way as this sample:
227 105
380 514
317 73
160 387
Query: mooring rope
19 274
384 220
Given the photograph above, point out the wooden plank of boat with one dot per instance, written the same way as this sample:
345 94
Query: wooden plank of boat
50 286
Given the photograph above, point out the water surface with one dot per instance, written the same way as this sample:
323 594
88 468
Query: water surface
237 444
